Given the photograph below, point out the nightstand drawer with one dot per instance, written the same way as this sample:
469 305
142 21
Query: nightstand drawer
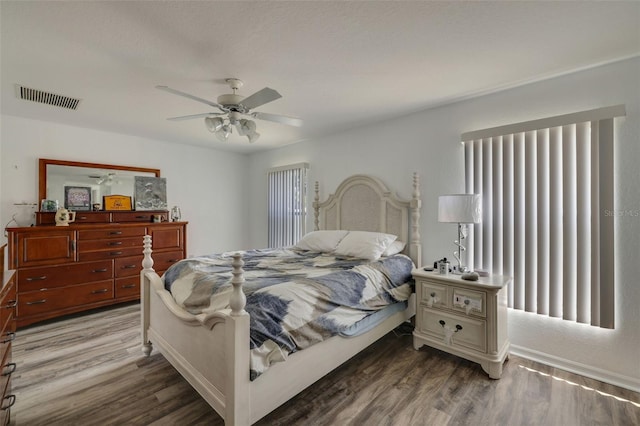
469 302
432 295
472 334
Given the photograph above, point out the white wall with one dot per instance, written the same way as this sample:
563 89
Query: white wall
428 142
206 183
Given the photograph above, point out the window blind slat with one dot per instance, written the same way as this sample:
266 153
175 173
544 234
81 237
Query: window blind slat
569 238
583 234
555 222
543 222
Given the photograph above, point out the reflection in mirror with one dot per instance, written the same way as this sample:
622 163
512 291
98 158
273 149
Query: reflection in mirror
100 179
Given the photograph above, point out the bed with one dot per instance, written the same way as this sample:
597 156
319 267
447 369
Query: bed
211 349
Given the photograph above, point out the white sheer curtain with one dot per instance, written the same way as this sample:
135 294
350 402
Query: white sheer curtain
548 212
287 204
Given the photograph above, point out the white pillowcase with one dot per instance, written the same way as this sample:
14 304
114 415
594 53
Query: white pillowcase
364 245
394 248
322 241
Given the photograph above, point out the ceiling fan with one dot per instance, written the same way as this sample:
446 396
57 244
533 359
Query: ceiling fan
232 108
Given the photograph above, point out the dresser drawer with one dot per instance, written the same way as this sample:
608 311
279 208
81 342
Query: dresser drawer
47 277
128 287
7 335
162 261
472 334
109 244
37 302
109 254
92 217
166 237
128 266
469 302
139 216
7 369
116 232
8 305
433 295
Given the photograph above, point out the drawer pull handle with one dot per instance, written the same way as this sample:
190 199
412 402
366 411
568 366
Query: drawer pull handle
115 233
43 277
103 290
142 217
37 302
432 300
12 368
82 218
10 336
115 253
129 266
129 286
11 398
173 260
100 270
115 243
449 332
12 304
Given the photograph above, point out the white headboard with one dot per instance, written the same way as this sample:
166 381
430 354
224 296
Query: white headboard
363 203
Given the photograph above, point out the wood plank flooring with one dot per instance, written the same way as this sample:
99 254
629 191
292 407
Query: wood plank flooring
88 370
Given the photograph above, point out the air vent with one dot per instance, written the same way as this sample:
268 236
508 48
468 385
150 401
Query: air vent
48 98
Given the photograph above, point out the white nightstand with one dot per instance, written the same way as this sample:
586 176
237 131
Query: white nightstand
464 318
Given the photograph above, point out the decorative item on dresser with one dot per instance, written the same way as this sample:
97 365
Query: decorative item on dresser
462 317
7 334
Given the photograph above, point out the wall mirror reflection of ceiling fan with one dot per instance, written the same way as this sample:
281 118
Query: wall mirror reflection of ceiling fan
232 110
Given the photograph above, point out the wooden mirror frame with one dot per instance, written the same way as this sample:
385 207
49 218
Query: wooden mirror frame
44 162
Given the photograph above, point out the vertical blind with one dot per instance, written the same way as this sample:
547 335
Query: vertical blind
287 204
547 196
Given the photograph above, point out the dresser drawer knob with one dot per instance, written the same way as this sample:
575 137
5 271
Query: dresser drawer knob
99 270
115 253
129 266
115 243
129 286
432 300
12 399
12 368
115 233
102 290
433 294
449 332
37 302
40 278
10 337
143 217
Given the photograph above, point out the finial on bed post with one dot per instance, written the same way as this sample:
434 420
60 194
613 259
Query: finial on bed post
415 247
316 208
238 300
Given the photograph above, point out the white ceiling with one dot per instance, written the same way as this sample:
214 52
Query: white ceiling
337 64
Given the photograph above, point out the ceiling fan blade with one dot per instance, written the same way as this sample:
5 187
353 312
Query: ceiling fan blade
283 119
189 117
261 97
187 95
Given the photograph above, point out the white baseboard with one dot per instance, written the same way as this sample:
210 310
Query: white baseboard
577 368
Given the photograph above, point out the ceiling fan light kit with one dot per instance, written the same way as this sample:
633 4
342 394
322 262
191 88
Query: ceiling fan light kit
233 107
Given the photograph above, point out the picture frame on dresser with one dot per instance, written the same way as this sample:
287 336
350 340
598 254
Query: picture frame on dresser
77 198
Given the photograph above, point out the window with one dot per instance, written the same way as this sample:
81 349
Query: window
287 204
546 187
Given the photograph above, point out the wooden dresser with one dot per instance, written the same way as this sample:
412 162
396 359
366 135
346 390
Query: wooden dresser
94 262
7 334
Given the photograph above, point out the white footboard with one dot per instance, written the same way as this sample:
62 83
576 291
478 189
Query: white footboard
210 350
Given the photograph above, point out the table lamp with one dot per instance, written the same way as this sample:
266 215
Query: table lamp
460 209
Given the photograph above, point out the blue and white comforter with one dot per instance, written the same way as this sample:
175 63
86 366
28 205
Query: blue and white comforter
295 298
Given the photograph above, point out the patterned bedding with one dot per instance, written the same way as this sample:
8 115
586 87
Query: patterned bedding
295 298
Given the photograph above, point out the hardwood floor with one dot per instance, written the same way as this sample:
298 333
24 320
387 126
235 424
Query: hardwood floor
89 370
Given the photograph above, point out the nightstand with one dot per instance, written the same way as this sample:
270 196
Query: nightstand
465 318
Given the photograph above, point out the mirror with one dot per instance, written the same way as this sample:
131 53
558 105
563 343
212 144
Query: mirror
96 179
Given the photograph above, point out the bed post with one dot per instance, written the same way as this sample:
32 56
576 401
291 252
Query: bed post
238 395
415 246
316 208
147 266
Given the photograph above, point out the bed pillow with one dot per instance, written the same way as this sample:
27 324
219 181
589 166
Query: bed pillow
322 241
364 245
394 248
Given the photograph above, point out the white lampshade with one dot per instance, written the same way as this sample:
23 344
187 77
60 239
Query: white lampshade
460 208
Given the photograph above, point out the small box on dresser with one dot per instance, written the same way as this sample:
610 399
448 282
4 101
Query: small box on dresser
465 318
7 334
